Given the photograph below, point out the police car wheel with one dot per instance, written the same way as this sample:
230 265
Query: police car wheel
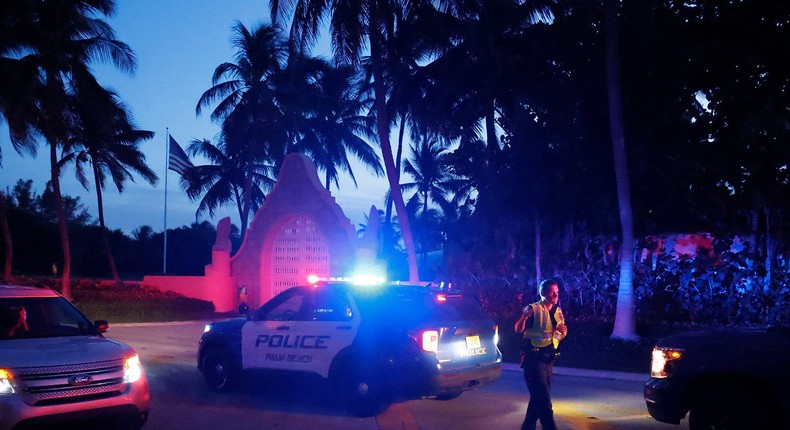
365 391
218 369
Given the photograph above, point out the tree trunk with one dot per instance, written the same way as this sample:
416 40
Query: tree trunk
492 142
382 127
538 251
771 244
246 205
624 327
105 238
65 280
388 215
8 244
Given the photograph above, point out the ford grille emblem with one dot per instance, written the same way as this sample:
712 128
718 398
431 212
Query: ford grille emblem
80 380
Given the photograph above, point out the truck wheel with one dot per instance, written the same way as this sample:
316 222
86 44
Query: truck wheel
364 390
726 410
218 369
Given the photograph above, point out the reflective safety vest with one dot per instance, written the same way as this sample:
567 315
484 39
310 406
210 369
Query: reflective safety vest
542 331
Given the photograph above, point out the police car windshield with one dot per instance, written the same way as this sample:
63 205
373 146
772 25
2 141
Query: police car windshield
22 318
412 305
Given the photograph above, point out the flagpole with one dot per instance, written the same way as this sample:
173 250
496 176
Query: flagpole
167 161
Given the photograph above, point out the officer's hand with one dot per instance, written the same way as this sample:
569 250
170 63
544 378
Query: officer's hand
562 328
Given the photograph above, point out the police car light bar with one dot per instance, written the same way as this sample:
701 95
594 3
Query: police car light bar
356 279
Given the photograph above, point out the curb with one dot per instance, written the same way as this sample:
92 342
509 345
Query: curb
586 373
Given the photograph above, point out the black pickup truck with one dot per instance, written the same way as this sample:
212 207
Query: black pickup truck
724 379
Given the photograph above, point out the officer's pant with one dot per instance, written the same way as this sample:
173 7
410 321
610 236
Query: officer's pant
537 373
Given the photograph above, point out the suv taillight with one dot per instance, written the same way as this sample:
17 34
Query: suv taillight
428 340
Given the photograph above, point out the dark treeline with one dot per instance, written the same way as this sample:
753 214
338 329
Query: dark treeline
36 250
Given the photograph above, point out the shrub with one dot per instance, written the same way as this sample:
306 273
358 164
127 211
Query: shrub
131 302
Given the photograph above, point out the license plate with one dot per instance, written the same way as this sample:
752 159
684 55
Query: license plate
472 342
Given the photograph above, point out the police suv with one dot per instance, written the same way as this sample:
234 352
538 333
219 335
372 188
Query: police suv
373 342
56 367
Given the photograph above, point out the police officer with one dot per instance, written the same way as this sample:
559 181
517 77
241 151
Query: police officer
543 327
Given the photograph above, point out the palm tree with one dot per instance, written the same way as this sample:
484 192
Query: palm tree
19 84
432 178
252 128
60 39
272 102
484 39
624 327
335 127
355 25
406 83
225 179
103 136
143 233
433 182
19 81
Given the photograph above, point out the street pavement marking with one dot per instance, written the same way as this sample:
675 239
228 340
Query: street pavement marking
397 417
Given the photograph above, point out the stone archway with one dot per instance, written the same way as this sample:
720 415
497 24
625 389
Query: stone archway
297 197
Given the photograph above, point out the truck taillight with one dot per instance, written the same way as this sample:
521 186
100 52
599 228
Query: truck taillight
430 341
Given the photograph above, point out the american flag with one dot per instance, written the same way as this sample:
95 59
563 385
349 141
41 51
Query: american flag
179 161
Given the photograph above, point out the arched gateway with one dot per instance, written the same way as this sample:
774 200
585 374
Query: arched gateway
299 230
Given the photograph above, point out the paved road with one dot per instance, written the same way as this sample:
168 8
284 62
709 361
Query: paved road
182 400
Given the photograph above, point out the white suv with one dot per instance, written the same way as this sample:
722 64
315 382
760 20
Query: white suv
55 366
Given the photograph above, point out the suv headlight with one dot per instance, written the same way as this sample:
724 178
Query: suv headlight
660 360
5 382
132 369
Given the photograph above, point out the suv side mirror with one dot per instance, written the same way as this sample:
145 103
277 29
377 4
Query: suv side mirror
102 325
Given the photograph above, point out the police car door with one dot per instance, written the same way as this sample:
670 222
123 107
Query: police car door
330 326
302 329
268 339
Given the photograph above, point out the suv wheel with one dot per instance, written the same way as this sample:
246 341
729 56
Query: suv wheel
218 369
364 390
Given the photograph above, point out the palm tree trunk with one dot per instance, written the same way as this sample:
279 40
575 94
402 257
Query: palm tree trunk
492 143
538 251
771 245
105 239
8 244
382 126
65 280
386 239
246 198
624 327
